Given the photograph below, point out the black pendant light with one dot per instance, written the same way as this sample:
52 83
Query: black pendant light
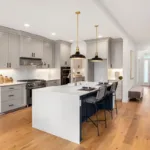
77 55
96 58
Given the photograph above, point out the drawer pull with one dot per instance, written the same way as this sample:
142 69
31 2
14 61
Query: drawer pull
11 88
11 105
11 95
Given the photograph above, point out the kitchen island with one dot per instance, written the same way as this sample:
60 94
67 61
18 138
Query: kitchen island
58 110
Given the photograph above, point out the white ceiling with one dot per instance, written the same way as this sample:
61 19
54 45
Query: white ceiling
47 16
133 16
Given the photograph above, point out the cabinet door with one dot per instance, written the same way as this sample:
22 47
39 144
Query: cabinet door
37 48
91 49
26 47
14 46
65 50
116 51
47 54
103 49
3 50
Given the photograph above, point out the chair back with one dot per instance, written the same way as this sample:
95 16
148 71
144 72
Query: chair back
101 93
114 87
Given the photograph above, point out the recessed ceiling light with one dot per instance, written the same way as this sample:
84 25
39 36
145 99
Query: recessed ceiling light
100 36
26 25
53 33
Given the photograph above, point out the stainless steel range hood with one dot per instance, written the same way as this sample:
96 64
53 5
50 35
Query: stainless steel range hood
24 61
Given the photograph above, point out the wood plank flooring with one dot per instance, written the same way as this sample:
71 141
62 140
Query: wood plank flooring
129 130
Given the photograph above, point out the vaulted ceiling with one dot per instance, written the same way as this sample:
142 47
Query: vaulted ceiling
47 16
133 16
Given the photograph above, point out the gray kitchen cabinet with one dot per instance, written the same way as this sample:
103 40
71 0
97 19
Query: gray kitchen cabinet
53 83
116 53
4 50
47 54
103 48
9 50
31 47
12 97
14 49
62 53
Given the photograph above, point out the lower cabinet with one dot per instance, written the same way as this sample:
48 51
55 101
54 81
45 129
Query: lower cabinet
53 83
12 97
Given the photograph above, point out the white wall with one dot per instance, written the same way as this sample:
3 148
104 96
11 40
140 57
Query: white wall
127 81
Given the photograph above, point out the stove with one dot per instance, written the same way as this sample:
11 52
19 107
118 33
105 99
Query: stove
32 84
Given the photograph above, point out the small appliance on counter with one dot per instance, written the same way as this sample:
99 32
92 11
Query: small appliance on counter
32 84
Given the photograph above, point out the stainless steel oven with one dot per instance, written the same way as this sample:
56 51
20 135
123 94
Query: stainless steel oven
65 79
32 84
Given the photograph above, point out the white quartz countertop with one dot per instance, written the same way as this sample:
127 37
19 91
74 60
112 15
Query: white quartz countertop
69 89
11 84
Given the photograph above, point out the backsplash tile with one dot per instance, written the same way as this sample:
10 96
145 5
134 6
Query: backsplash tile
31 73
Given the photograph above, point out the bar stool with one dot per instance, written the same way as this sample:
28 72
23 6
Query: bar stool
113 91
95 101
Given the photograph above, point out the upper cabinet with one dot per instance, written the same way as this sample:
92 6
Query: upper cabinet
48 48
31 47
116 53
9 50
14 49
62 53
103 48
4 47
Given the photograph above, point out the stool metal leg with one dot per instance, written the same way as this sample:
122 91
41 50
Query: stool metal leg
116 104
105 115
97 119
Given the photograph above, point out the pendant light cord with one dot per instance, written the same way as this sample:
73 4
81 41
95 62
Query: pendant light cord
77 13
96 26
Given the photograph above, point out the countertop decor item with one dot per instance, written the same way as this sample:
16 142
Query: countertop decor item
77 55
1 79
120 77
96 58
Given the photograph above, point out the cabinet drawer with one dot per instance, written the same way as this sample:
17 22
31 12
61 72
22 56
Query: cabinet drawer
11 95
13 87
12 104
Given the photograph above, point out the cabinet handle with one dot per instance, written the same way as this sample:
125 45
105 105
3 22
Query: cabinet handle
9 65
111 65
11 95
34 54
11 105
48 65
11 88
65 62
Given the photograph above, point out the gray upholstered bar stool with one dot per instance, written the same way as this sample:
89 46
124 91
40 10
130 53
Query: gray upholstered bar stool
99 99
113 90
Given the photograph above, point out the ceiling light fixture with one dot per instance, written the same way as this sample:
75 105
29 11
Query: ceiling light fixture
71 40
26 25
77 55
53 33
100 36
96 58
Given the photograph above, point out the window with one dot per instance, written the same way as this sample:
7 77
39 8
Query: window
145 71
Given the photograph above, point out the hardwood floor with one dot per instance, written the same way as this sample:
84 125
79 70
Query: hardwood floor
129 130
